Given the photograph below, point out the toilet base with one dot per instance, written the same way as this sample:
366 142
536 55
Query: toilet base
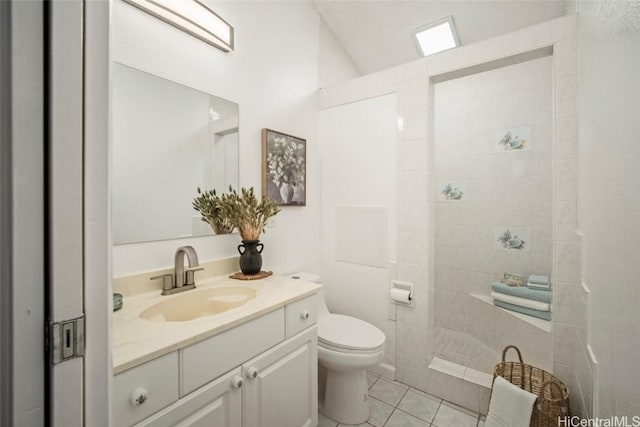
346 396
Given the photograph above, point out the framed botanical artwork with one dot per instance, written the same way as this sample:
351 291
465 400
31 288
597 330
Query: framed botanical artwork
284 168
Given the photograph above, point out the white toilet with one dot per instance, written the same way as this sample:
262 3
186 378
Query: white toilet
347 347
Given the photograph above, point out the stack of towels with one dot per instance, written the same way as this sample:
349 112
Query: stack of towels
532 300
538 282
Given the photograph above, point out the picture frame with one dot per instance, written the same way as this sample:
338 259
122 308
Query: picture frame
284 168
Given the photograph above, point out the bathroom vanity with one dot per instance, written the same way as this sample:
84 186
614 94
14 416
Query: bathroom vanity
253 364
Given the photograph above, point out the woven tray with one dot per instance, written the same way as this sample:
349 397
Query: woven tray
241 276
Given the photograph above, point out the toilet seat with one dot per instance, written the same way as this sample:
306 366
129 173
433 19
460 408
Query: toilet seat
349 351
347 334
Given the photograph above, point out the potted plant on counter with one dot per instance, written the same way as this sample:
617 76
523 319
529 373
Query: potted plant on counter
250 217
208 204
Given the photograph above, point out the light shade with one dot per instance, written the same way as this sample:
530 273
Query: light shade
193 17
437 36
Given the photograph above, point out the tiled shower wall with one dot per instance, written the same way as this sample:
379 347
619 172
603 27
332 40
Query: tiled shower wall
415 326
573 362
499 188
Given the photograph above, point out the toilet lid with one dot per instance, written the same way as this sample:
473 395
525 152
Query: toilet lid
349 333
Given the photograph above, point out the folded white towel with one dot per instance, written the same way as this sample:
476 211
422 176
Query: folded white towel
522 302
510 406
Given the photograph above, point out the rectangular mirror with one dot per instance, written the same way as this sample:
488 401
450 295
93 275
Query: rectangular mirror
168 140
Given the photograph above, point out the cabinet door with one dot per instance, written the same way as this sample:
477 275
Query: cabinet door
282 384
218 404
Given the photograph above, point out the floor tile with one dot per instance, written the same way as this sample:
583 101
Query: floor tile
387 391
420 405
449 415
402 419
324 421
380 412
355 425
481 423
371 379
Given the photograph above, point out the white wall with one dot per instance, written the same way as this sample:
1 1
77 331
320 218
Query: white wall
273 76
609 214
358 151
336 66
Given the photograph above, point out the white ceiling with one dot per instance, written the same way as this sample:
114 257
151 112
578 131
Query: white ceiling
379 34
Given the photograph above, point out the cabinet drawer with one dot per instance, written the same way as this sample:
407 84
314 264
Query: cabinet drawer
302 314
208 359
158 379
218 403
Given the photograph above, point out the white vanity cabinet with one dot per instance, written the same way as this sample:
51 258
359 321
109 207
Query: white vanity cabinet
260 373
281 387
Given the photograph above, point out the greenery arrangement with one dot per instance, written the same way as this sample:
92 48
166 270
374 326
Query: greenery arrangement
285 162
208 204
244 212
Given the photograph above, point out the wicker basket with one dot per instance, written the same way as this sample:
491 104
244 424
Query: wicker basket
553 396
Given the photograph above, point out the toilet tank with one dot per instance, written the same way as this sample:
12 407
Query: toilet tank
313 278
307 277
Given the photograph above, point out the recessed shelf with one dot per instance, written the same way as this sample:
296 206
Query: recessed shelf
545 325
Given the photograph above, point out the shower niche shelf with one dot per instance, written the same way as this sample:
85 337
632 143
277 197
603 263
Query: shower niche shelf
544 325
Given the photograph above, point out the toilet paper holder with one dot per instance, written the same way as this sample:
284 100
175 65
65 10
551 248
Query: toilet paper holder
401 292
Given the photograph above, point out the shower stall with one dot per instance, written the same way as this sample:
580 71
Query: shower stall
493 179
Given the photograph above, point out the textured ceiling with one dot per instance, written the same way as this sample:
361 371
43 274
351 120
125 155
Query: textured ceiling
379 34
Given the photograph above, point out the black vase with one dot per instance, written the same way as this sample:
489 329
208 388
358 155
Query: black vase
250 258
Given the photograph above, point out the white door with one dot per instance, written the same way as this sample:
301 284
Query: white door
53 221
65 210
282 384
218 403
22 214
78 243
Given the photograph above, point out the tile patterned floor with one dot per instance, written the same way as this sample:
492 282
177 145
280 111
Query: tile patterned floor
394 404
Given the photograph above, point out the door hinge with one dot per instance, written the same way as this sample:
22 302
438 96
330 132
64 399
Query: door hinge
65 340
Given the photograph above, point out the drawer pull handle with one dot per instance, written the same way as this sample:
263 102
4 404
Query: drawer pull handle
304 315
252 373
237 382
138 396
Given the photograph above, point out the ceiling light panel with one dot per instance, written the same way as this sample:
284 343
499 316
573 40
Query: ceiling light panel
437 36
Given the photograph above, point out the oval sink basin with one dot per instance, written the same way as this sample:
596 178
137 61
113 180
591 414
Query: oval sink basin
198 303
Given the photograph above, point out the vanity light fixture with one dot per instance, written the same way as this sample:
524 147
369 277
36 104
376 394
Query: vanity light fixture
437 36
193 17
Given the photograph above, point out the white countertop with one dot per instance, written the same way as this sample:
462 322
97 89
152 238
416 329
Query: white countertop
136 340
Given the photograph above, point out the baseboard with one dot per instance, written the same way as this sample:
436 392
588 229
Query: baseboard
385 370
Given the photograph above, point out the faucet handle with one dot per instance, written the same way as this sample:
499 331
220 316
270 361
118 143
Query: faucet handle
190 275
167 281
